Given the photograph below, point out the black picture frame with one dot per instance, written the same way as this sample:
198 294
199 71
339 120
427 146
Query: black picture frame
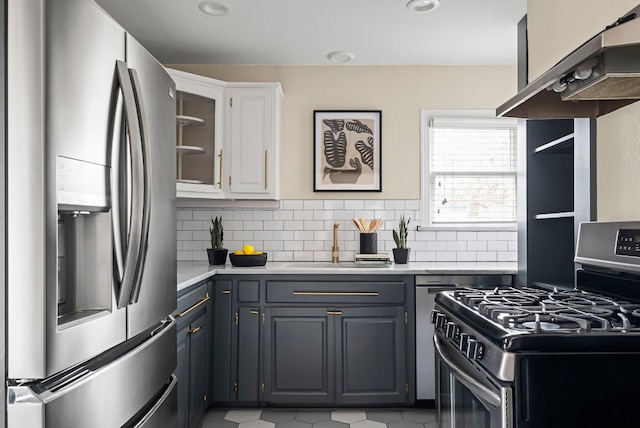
347 152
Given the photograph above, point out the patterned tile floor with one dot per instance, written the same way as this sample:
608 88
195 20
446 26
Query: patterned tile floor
320 418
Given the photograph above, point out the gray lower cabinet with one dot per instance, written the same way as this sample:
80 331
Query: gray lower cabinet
371 366
194 353
222 379
299 351
314 340
335 355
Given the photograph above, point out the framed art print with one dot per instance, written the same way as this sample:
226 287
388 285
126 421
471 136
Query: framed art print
347 146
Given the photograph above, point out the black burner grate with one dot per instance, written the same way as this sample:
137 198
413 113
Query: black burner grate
535 310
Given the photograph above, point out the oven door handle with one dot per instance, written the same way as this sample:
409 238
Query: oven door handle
474 385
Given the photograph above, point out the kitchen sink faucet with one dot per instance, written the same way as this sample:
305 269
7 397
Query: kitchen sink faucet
335 251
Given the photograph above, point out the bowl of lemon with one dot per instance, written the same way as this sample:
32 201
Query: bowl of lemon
247 257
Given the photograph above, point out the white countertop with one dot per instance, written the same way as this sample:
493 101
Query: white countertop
190 273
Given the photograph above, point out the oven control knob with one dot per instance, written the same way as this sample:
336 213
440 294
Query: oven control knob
441 320
434 315
475 349
464 342
450 330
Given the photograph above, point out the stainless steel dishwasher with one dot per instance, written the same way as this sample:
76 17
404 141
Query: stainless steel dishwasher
427 286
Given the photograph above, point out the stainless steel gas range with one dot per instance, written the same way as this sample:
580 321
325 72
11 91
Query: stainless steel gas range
535 357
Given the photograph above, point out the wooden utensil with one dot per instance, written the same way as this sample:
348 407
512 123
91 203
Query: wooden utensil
379 223
372 225
358 225
363 222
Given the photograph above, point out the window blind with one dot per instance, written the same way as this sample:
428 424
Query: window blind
472 170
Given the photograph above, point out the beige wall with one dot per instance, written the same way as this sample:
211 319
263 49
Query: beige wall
399 91
555 29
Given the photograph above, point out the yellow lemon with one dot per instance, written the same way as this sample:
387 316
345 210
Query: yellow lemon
248 249
257 253
238 252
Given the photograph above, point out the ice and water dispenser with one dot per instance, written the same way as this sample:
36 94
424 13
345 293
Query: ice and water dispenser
85 255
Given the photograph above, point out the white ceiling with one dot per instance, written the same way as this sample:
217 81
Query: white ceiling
302 32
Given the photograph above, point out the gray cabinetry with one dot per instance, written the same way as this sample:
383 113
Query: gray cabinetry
300 349
371 366
303 339
194 353
222 382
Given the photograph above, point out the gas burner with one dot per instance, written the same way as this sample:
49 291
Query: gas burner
535 310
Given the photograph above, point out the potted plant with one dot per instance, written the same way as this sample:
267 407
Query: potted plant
401 252
217 255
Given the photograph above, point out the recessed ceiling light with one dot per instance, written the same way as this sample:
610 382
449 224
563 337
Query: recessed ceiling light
213 8
423 5
340 56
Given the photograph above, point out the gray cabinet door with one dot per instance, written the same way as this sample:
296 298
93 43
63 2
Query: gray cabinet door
298 360
197 369
222 383
370 349
248 357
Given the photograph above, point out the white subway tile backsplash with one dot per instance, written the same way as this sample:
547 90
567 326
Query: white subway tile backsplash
303 215
487 236
184 215
283 215
497 246
263 215
334 205
354 204
374 205
394 205
253 225
302 230
487 256
467 236
457 246
293 205
243 235
446 235
477 245
312 204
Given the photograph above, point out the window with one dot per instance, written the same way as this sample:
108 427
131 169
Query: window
469 169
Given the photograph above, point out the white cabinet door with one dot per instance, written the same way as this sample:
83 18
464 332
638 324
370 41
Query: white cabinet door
253 133
200 133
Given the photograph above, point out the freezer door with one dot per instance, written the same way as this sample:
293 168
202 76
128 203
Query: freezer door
155 297
123 387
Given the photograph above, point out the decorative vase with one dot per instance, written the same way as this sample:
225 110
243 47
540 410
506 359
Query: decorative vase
401 255
217 256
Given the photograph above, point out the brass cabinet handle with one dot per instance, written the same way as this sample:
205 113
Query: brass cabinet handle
254 312
194 330
334 312
202 301
220 171
336 293
266 169
226 291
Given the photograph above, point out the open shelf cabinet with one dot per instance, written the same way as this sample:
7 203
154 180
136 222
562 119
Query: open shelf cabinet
556 191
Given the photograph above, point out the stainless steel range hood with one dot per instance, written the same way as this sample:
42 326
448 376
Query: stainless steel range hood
597 78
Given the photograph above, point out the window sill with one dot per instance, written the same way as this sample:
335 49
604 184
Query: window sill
469 227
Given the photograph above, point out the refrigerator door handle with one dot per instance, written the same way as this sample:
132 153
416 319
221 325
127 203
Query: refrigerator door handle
146 187
135 195
116 221
161 401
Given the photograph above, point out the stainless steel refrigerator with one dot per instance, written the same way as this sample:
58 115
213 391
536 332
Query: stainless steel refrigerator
90 223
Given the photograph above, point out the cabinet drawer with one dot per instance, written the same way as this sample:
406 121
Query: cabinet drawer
191 301
335 292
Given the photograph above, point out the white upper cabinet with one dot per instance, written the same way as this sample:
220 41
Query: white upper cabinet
199 136
228 136
253 133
